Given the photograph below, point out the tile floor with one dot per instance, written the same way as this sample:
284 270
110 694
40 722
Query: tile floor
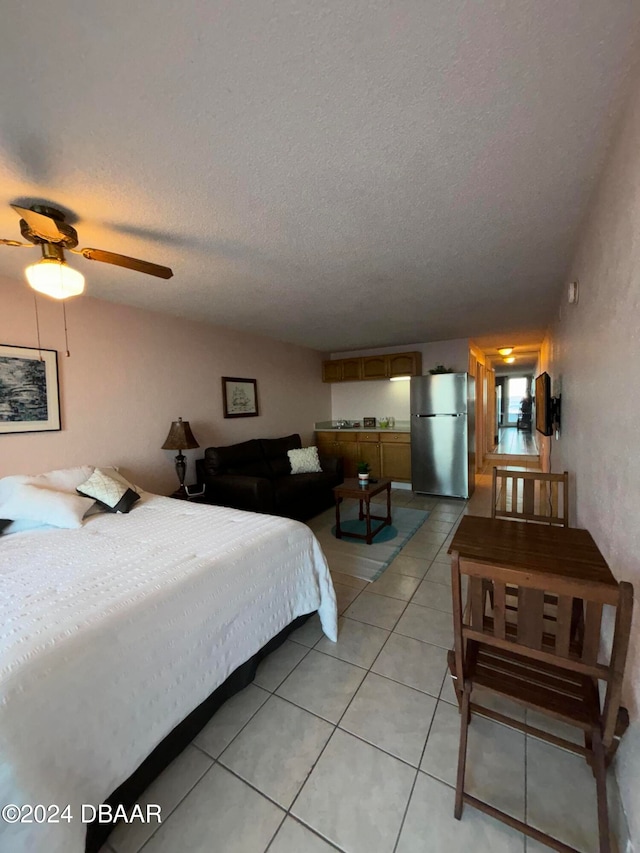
353 746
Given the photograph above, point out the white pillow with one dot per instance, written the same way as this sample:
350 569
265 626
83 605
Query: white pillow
304 461
61 480
116 495
45 506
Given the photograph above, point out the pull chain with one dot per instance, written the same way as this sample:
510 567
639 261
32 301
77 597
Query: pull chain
35 304
66 333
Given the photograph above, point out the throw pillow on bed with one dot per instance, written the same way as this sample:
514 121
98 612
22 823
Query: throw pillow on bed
304 461
112 494
46 506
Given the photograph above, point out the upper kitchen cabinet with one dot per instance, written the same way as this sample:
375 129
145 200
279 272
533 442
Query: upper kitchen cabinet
405 364
372 367
375 367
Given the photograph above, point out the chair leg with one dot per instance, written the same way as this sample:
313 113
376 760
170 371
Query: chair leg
601 789
462 753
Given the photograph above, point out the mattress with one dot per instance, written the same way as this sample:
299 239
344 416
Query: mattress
111 634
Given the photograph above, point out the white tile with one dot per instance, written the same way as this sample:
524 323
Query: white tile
422 550
391 716
229 719
357 643
495 759
309 633
431 826
323 685
555 727
356 795
277 749
348 580
412 663
394 585
345 595
428 536
414 567
440 573
561 795
428 625
379 610
442 526
171 786
293 837
435 595
220 807
276 667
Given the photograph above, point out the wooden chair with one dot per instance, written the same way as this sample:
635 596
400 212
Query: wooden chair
530 496
516 657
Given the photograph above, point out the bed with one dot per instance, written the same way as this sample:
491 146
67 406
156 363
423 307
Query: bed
112 634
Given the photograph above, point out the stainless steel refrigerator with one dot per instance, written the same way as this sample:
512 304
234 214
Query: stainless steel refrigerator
443 434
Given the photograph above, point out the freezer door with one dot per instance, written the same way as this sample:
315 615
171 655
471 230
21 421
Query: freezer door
444 393
439 455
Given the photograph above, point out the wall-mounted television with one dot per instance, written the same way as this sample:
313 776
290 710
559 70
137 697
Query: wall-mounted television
544 404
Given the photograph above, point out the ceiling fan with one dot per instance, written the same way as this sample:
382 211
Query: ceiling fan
46 227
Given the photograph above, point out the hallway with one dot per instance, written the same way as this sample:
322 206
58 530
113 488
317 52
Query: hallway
517 442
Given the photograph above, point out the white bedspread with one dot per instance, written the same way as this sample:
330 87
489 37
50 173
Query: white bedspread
110 635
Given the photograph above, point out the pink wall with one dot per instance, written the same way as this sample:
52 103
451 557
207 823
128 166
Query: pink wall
132 372
592 354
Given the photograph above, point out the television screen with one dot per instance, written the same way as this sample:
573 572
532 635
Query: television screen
543 404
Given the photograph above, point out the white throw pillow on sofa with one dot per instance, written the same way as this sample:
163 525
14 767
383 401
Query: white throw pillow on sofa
304 461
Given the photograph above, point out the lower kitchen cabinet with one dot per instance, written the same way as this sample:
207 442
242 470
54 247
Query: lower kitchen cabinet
388 453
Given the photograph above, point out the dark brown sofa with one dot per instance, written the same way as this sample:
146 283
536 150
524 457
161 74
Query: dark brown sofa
256 476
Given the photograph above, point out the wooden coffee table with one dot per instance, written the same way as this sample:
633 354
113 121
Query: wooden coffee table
351 488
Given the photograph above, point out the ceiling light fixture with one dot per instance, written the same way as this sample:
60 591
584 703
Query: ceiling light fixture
52 276
509 360
505 350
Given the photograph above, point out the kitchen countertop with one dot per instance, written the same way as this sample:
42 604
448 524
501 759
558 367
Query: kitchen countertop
402 428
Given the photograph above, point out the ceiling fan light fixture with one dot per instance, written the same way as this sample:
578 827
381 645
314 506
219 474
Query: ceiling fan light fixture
505 350
55 278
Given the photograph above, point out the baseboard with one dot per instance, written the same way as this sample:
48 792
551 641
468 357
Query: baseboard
395 485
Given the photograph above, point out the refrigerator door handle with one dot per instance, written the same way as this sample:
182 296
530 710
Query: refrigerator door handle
457 415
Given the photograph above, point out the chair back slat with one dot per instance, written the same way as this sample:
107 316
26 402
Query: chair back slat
530 617
564 614
499 609
592 626
476 596
530 496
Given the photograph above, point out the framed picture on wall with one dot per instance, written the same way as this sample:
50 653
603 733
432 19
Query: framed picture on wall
29 395
239 397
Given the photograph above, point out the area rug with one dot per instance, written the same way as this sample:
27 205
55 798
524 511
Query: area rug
353 556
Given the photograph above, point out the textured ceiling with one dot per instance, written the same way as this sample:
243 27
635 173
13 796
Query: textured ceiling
336 174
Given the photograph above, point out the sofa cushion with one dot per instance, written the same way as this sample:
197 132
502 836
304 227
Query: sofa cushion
246 458
299 488
275 452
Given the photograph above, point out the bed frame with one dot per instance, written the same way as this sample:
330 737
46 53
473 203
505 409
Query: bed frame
182 735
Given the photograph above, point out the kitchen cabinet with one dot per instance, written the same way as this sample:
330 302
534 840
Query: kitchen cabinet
342 444
405 364
395 456
375 367
371 367
388 453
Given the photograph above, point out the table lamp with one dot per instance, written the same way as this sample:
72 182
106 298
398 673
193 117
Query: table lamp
180 438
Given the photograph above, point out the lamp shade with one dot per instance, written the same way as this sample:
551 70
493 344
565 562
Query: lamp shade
54 278
180 437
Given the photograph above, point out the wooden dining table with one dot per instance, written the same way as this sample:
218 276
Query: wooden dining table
568 552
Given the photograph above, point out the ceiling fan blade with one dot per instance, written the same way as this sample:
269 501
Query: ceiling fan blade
124 261
16 243
43 226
